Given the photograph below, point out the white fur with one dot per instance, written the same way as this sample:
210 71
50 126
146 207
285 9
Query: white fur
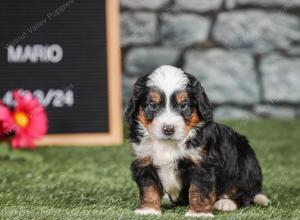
261 199
147 211
170 180
166 197
168 117
225 205
225 196
198 214
164 155
168 79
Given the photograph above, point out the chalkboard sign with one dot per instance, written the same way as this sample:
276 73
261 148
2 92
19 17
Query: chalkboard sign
68 54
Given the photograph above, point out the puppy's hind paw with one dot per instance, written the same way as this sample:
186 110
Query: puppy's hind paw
261 199
147 211
198 214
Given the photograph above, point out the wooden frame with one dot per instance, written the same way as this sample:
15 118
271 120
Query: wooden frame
115 134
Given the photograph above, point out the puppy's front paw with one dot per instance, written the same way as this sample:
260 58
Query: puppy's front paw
147 211
225 205
198 214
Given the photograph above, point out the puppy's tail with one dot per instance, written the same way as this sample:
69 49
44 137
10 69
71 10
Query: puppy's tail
261 199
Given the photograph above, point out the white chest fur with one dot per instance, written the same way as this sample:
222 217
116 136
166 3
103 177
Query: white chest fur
165 155
170 180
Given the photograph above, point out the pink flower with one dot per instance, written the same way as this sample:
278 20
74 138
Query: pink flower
28 121
2 132
5 120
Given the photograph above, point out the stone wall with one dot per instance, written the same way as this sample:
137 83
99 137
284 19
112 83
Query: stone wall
245 52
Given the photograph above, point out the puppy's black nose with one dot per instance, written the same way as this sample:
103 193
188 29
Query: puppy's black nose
169 130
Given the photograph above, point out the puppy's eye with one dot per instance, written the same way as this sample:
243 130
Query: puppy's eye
183 106
153 106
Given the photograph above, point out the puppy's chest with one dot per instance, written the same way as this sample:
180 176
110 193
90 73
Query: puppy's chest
165 157
170 180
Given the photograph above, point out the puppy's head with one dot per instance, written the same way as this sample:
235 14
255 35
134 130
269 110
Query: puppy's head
166 105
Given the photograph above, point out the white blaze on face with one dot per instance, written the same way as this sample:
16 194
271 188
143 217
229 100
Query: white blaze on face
168 79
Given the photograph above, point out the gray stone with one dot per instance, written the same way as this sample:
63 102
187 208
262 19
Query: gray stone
145 59
230 112
198 6
281 78
143 4
271 111
230 4
127 88
256 30
270 3
184 30
298 113
138 27
294 51
227 76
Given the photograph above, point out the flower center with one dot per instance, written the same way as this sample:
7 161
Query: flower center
21 119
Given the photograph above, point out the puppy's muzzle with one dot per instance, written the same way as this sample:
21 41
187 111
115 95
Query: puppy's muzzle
168 130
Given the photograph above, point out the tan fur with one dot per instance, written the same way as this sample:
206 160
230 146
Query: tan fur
198 203
155 96
230 194
151 198
181 96
146 161
142 118
194 120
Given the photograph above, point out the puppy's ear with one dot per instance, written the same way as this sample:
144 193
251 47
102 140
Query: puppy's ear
130 110
202 102
139 92
204 105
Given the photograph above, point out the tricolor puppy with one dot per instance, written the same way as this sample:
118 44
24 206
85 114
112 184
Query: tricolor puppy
180 151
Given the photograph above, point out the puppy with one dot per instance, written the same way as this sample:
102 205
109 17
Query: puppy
180 151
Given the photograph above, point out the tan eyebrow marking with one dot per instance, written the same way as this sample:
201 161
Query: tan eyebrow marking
181 96
155 96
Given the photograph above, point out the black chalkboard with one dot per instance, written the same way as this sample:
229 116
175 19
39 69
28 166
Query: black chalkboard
60 51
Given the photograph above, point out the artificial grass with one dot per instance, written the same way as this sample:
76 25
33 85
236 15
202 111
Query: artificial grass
95 183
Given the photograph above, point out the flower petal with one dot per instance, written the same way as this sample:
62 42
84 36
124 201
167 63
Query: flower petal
22 141
38 122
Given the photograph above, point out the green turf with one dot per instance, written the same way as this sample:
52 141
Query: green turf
95 183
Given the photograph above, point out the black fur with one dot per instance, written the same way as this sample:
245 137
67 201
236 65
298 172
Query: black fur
199 97
229 161
140 94
145 176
